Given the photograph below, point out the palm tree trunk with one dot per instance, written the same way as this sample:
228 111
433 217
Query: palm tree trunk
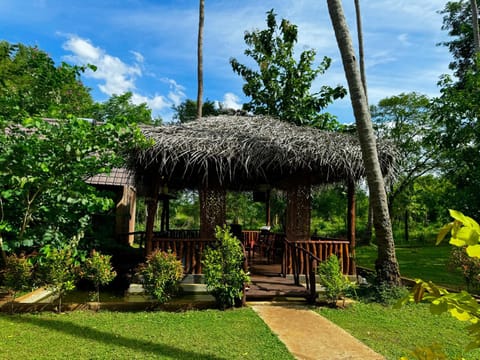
473 4
363 74
386 265
361 53
201 18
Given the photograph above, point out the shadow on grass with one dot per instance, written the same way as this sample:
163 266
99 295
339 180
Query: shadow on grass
116 340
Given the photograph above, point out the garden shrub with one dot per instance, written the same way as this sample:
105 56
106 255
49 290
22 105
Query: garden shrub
223 269
17 275
469 266
59 269
331 277
161 275
98 269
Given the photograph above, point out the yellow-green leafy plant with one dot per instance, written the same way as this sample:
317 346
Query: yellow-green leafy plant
464 232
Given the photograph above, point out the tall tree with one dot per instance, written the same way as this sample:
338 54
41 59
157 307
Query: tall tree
406 120
201 20
361 53
457 110
281 86
458 20
32 85
187 110
386 264
120 108
476 37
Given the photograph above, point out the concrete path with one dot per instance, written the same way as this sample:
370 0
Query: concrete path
309 336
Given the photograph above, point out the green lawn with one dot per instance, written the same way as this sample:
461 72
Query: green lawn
210 334
393 332
427 263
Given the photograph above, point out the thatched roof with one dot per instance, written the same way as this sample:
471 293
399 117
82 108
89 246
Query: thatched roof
239 152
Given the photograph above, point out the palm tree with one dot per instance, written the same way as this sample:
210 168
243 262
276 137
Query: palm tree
201 18
361 54
387 268
473 4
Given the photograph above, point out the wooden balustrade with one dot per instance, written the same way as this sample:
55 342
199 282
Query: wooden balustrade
321 249
188 251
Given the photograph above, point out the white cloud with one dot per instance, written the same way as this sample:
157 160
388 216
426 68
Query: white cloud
116 77
176 93
231 101
403 38
138 57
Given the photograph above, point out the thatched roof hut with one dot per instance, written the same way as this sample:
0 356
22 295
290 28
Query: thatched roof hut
240 152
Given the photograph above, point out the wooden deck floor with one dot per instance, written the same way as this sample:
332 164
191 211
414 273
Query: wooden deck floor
267 283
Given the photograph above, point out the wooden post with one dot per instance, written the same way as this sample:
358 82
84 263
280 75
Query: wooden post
351 224
268 221
152 205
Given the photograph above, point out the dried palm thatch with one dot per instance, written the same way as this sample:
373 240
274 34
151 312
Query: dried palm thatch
240 152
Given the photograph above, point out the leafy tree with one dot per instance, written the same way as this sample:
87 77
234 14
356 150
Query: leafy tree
187 110
31 85
43 167
457 115
281 86
457 20
119 108
386 265
405 120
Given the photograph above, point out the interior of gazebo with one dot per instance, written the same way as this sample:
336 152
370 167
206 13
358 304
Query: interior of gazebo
255 154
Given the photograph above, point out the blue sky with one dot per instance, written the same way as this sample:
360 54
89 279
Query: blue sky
149 47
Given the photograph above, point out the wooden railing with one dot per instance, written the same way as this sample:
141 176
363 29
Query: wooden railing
321 249
188 251
299 252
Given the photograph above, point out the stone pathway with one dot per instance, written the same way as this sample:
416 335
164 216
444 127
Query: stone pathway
310 336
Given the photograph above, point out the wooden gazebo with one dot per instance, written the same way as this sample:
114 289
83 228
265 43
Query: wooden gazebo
243 153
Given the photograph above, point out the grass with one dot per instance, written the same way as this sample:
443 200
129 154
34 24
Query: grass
393 332
426 262
210 334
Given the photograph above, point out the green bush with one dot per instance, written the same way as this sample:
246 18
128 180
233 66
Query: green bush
223 269
161 275
98 269
335 283
59 269
17 275
469 266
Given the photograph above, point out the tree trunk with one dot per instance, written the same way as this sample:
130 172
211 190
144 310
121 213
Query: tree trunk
473 4
363 74
361 53
201 18
386 265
